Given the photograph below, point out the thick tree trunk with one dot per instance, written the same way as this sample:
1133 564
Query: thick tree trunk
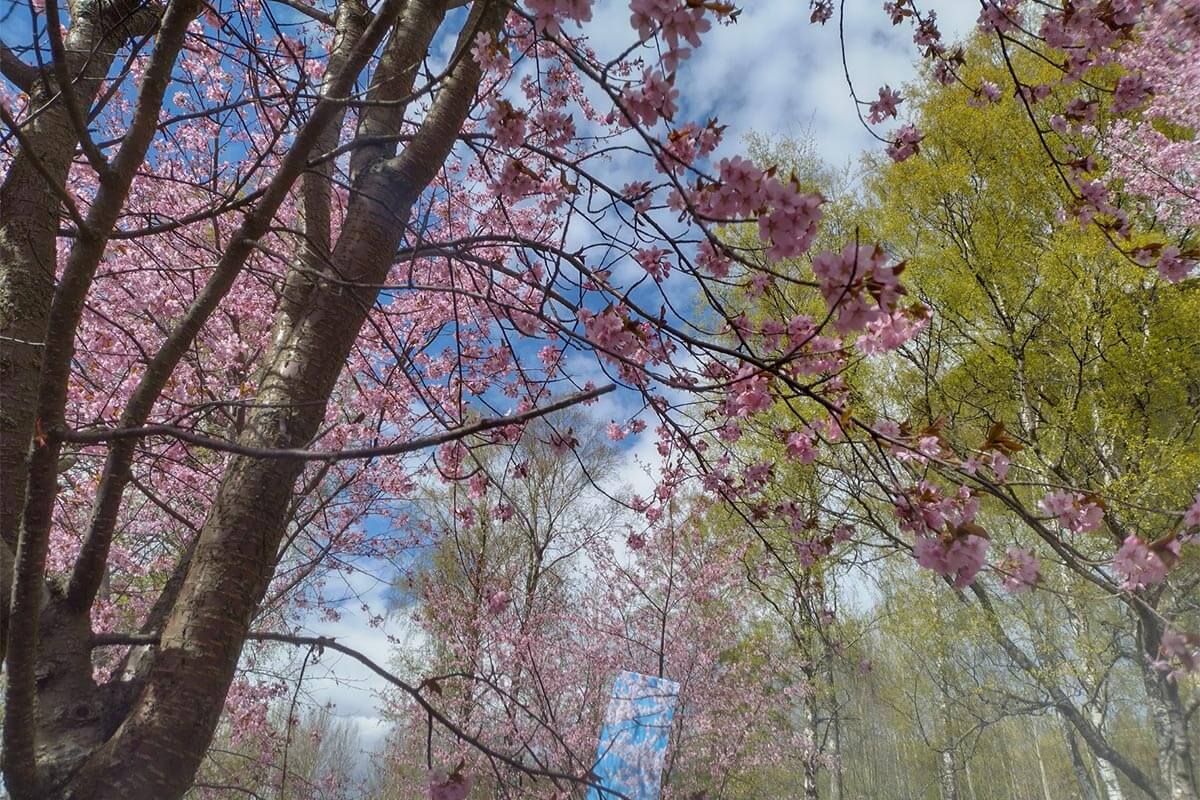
31 666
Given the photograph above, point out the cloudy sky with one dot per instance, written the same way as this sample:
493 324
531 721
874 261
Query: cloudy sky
771 73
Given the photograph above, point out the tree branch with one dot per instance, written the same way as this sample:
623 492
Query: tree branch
70 99
311 12
453 434
22 75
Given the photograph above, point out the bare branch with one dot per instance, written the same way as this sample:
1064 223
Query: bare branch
454 434
309 11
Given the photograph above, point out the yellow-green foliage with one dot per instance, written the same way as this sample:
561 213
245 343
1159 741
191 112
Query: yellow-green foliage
1088 357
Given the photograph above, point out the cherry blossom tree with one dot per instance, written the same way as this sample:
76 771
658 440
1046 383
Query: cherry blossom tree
262 271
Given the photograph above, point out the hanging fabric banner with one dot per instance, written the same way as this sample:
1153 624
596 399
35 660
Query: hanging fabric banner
633 742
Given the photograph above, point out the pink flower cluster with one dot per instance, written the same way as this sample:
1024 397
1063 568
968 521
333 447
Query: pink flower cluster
1174 267
507 123
961 556
885 106
1153 152
711 261
548 14
654 98
859 284
791 224
686 143
886 333
498 602
810 551
787 215
947 540
905 145
750 392
800 447
676 22
1076 512
1179 654
652 259
1131 92
924 509
987 94
1143 565
1021 570
1000 16
622 342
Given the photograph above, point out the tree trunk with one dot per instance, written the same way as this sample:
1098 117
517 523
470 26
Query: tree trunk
1037 749
1166 709
947 782
1087 791
812 790
836 785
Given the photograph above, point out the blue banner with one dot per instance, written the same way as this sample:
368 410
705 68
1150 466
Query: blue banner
633 742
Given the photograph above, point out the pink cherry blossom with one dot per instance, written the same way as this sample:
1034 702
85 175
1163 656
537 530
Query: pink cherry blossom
498 601
905 145
654 99
548 14
750 392
885 106
1074 511
999 463
1131 91
1172 266
791 224
1140 565
653 260
1000 16
800 447
507 123
1179 654
859 283
961 558
1021 570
